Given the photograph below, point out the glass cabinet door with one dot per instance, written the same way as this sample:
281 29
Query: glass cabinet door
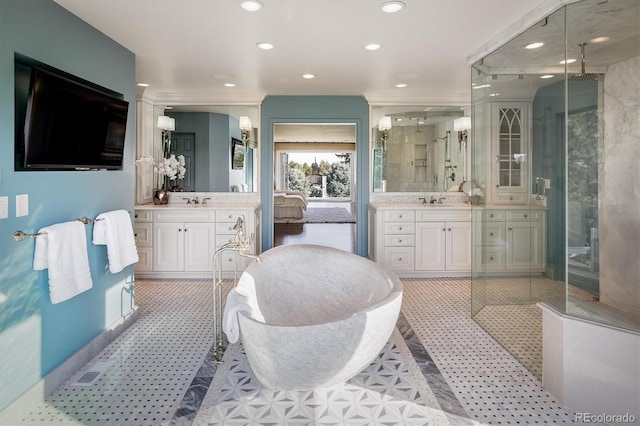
511 155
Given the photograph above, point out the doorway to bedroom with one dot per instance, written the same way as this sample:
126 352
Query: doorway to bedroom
314 185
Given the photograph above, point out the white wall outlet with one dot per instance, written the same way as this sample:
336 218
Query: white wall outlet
22 205
4 207
547 184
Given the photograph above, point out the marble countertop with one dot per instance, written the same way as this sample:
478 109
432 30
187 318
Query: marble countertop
393 206
209 206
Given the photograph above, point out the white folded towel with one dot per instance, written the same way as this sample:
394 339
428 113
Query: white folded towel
237 300
114 230
63 250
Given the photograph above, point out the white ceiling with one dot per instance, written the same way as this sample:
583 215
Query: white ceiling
188 49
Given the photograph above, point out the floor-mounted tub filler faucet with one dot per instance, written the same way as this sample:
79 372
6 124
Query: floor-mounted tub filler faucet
240 245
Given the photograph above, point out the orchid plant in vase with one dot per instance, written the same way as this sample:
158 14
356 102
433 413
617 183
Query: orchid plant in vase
166 173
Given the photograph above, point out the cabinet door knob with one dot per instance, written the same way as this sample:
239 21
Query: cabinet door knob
399 259
491 258
179 229
449 229
400 216
491 215
526 215
444 229
399 241
491 234
399 228
510 229
230 216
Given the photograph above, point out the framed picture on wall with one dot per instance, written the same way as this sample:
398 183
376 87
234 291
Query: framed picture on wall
237 154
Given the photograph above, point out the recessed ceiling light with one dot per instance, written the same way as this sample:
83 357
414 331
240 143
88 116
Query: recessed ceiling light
401 85
229 85
599 39
534 45
373 46
264 45
547 76
251 5
143 84
308 76
568 61
392 6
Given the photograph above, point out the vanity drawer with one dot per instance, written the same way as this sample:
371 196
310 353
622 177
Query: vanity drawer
399 228
143 234
524 215
492 234
230 216
143 216
494 215
225 228
440 214
202 216
399 215
511 198
399 258
399 240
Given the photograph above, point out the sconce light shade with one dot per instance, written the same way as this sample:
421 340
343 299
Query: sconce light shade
245 123
166 123
384 123
461 124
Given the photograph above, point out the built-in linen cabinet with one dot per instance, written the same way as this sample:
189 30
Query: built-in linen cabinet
143 233
510 149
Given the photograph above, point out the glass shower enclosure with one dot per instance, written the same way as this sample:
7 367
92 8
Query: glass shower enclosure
555 148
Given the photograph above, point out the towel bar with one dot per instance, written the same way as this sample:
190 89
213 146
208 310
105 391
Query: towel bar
19 235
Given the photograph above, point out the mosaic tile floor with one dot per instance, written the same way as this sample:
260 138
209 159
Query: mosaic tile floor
449 370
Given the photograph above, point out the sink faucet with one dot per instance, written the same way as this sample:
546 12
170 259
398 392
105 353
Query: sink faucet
204 200
196 201
188 200
432 200
424 200
440 200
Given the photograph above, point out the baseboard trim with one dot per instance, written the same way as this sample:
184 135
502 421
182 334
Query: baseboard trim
21 407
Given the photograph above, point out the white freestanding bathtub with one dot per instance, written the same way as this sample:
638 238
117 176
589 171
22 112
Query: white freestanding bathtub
327 314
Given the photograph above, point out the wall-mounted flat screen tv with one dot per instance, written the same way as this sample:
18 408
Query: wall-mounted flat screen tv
70 125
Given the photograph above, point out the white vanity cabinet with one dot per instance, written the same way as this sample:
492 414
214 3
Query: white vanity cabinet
421 241
181 242
183 245
443 240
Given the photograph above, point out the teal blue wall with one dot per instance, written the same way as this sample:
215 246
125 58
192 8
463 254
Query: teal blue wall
36 336
315 109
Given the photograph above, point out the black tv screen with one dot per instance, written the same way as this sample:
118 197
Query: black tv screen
69 125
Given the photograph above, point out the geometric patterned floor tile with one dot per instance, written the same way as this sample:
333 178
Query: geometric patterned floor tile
391 390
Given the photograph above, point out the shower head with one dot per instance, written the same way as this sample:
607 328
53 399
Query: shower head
583 76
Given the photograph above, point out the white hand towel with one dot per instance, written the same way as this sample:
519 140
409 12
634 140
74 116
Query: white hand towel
114 230
237 300
63 250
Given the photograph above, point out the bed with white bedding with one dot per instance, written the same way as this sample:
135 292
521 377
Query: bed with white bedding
289 205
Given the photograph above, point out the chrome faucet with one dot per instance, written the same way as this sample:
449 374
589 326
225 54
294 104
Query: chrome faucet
188 200
195 201
440 200
424 200
432 200
204 200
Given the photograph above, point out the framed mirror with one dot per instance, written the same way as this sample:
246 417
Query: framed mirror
418 148
219 155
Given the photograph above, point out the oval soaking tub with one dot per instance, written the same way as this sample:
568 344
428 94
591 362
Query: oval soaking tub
327 315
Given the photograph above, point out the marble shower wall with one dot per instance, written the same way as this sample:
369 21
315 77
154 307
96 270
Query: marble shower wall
619 189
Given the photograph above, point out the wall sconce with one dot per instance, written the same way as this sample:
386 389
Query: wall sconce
384 125
168 125
246 127
461 125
